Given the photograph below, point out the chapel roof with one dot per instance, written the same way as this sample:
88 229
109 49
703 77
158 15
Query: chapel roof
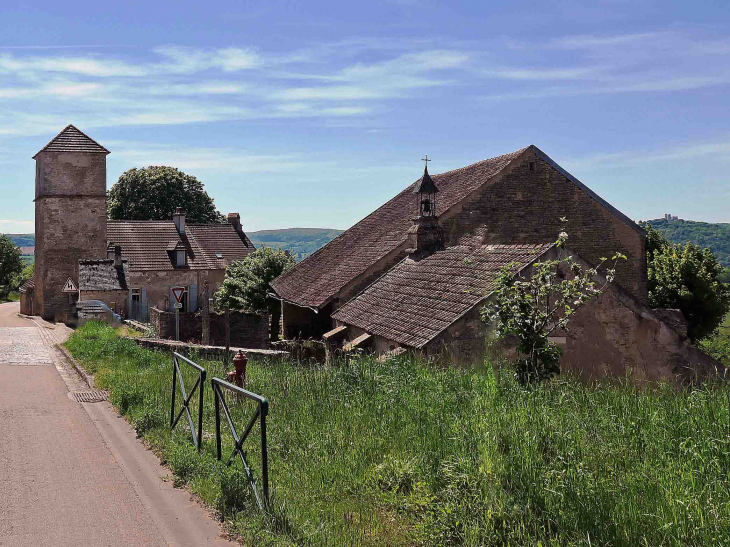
317 279
147 244
71 139
416 301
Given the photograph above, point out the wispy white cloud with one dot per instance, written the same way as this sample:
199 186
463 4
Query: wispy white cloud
15 226
719 151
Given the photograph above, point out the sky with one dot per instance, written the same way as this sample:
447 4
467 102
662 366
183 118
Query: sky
313 114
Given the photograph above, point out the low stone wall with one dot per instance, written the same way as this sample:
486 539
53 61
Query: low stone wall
247 329
206 351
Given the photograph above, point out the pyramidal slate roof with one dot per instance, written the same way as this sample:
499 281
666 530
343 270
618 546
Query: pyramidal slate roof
415 301
72 139
317 279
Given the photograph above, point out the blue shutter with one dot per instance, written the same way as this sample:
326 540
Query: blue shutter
143 297
192 298
172 301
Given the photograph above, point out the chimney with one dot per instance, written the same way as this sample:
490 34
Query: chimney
179 219
234 219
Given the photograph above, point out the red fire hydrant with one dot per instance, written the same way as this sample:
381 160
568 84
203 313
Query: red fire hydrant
238 376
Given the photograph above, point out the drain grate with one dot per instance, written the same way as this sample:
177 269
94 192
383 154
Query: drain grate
90 396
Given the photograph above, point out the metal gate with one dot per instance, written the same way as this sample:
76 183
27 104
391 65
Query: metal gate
139 311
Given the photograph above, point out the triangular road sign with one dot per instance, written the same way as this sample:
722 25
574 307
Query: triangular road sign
178 292
70 286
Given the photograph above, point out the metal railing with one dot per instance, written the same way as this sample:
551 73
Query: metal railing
262 410
199 383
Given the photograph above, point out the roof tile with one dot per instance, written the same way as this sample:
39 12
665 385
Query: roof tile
417 300
321 275
73 140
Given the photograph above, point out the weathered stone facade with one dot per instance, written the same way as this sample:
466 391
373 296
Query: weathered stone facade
525 206
70 224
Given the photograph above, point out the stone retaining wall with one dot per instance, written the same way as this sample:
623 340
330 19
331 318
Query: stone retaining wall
247 329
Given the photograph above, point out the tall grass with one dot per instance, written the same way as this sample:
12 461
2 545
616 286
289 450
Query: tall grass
402 453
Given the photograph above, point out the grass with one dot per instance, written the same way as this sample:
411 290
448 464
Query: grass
406 454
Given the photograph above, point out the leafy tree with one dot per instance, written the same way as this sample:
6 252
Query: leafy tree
11 264
153 193
532 309
246 284
687 277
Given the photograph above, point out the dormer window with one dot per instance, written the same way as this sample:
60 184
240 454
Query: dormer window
219 255
179 259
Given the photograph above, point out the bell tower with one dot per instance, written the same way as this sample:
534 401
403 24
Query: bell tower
426 235
70 217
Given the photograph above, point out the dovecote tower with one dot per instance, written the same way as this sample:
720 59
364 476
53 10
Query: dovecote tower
70 217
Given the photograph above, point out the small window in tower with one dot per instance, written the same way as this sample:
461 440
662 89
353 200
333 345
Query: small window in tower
532 166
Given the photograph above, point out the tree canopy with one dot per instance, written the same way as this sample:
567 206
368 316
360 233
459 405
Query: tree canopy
246 283
153 193
687 277
11 264
705 234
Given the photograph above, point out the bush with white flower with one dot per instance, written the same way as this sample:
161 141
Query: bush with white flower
532 309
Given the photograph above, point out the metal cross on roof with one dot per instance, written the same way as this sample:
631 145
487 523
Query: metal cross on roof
426 160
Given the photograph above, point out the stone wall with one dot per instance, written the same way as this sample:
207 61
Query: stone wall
70 224
26 302
247 330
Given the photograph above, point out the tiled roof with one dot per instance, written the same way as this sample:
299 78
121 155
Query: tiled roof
416 301
73 140
145 243
102 275
316 279
28 285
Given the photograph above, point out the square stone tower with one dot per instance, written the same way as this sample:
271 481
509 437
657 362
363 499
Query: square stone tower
70 217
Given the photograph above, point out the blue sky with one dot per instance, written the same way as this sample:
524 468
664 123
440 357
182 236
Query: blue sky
313 114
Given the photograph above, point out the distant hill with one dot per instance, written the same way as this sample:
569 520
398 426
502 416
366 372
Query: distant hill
704 234
300 241
22 240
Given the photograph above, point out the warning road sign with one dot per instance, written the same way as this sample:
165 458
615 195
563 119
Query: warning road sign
178 292
70 286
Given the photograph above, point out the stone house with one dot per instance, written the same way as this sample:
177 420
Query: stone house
163 255
106 279
414 273
132 264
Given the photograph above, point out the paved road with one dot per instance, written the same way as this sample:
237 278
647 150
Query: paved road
72 474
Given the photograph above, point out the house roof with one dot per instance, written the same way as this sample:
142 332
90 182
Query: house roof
102 275
416 301
70 139
317 279
147 244
28 285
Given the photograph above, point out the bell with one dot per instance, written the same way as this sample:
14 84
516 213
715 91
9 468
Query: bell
426 206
